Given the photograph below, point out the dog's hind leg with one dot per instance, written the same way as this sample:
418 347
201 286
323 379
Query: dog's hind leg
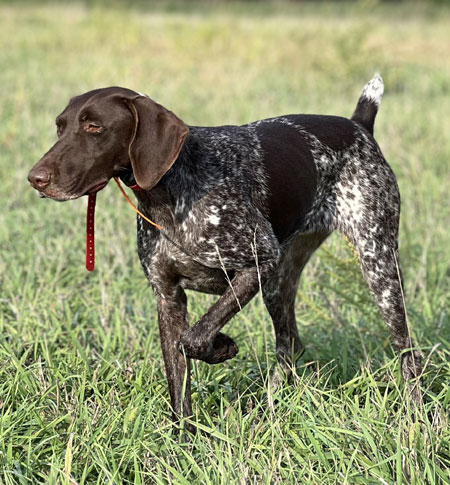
381 269
279 297
279 294
372 224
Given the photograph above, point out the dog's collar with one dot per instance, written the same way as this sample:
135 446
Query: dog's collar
129 180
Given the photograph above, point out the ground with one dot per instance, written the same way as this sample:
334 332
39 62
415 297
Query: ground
83 397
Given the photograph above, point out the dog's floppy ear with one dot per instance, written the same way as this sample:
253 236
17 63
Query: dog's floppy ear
157 139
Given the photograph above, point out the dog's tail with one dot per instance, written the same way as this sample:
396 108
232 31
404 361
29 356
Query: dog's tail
368 103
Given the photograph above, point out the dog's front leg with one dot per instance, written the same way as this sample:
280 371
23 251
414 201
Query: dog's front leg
172 318
203 341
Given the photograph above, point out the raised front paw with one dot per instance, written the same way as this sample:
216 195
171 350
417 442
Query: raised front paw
219 350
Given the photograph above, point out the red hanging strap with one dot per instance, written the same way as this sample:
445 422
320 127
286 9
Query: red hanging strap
90 229
90 224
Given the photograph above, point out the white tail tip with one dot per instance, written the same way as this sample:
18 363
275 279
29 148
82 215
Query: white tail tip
374 89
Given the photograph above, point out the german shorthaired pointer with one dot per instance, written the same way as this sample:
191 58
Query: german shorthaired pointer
242 207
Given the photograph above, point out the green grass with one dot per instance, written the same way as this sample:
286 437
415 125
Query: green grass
83 398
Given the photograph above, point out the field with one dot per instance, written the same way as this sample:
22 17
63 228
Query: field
83 397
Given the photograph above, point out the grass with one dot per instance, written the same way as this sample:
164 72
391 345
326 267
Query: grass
83 397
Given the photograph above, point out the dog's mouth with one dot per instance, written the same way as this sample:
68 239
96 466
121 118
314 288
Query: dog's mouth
61 197
55 196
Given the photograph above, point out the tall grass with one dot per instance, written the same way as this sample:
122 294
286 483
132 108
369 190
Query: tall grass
83 397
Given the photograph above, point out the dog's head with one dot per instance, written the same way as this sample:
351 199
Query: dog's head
103 132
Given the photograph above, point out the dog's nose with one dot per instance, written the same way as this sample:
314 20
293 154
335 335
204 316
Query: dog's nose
39 178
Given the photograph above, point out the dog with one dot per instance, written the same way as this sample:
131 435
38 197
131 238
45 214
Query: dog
243 208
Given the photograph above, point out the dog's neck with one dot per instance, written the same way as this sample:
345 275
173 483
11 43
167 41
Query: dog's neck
160 202
184 157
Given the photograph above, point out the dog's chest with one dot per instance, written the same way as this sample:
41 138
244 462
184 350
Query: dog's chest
185 257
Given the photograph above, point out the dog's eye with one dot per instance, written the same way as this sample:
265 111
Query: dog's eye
60 129
92 128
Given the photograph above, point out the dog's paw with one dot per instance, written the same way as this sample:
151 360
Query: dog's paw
411 371
411 365
219 350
